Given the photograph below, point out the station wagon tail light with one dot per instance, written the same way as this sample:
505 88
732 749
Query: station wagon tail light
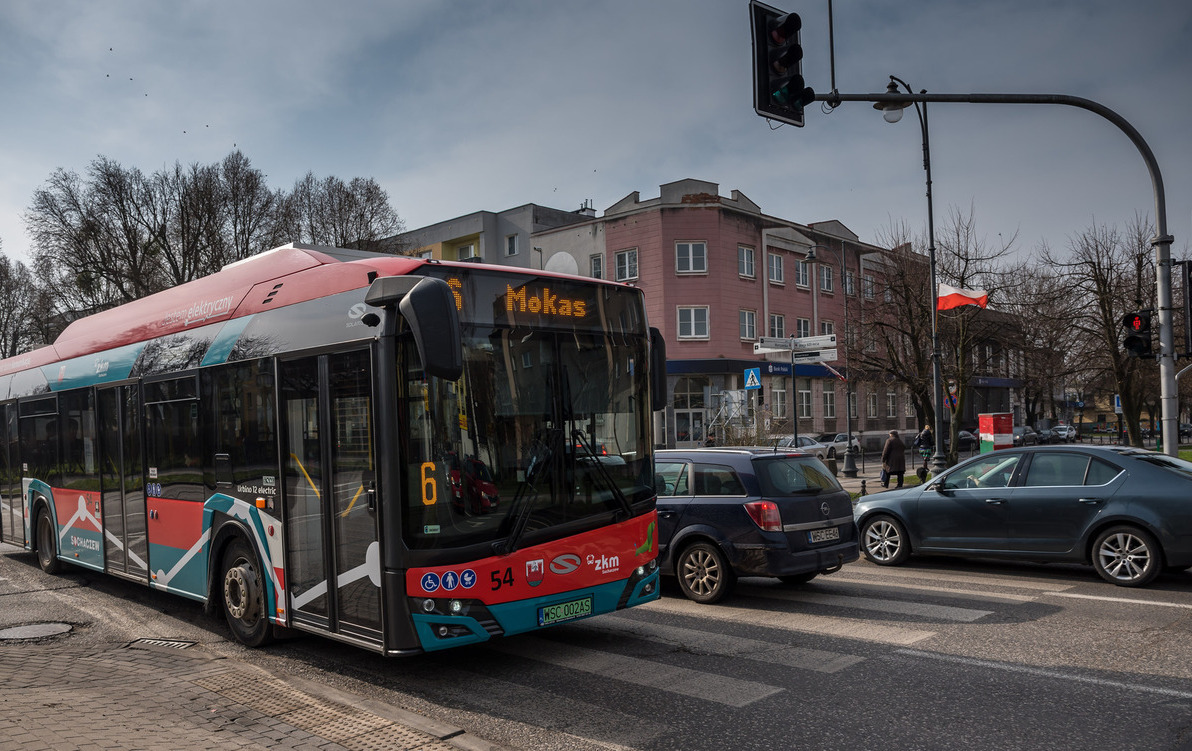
765 515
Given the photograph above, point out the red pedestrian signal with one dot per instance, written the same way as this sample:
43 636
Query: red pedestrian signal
1137 341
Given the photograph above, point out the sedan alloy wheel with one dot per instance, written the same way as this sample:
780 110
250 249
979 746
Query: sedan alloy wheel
1127 556
883 538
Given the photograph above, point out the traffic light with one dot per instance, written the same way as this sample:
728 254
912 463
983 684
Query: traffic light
778 89
1137 341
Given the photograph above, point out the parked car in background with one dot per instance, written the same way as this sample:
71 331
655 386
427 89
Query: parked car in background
838 443
1067 433
1024 436
1186 430
805 443
965 441
1047 435
1122 509
724 513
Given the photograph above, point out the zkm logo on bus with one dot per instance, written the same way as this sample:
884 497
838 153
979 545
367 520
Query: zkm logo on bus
520 301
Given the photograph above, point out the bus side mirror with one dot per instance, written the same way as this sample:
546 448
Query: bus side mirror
428 305
657 370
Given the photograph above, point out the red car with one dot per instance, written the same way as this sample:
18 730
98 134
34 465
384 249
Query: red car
475 485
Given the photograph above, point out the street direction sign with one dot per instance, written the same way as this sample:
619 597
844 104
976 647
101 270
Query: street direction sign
815 355
766 344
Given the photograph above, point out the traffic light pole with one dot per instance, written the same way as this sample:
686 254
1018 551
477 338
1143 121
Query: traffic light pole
1169 401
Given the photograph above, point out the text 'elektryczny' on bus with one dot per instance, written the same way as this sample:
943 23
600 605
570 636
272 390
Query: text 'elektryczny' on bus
397 453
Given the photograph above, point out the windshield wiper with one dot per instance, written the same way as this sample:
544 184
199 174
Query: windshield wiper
602 472
520 508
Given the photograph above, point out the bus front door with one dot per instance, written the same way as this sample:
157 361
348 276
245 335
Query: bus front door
333 554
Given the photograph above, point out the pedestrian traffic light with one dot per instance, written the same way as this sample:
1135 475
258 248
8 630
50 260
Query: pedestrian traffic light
1137 326
778 89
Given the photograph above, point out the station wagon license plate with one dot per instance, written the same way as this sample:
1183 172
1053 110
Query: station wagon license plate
824 535
564 611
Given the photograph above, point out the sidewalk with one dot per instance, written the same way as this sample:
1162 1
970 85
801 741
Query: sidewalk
868 481
161 694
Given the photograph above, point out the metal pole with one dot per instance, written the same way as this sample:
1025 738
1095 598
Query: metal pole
1169 401
794 402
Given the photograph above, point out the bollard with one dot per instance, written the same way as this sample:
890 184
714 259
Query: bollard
862 487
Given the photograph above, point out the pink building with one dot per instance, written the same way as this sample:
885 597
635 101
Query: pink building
718 274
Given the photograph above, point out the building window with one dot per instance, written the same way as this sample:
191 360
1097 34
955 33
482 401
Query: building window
850 283
891 404
778 403
626 265
464 252
909 410
827 327
867 285
829 404
691 258
745 262
693 322
826 281
748 320
802 273
870 342
804 397
777 325
871 406
775 263
596 265
888 294
802 327
510 245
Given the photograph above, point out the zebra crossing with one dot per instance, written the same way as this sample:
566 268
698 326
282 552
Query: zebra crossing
838 607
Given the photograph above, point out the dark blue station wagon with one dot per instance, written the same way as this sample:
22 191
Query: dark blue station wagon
730 512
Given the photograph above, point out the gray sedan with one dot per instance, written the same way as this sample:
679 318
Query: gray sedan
1127 511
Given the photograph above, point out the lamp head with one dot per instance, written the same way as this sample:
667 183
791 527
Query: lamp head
891 111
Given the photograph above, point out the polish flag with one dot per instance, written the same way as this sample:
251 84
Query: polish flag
954 297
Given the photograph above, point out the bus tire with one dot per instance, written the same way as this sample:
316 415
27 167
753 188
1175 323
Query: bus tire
47 543
243 595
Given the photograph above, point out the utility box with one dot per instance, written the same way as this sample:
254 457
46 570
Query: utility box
996 430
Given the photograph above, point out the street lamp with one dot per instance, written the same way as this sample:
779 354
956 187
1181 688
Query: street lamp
850 463
892 113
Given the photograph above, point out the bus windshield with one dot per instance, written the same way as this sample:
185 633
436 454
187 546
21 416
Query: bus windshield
545 435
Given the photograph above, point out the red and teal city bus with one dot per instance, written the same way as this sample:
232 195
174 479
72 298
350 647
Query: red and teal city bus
398 453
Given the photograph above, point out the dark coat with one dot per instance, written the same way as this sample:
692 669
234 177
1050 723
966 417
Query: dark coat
894 455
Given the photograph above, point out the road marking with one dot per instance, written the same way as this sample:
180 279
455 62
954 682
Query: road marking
844 579
1045 673
725 645
1123 600
963 578
813 624
694 683
920 609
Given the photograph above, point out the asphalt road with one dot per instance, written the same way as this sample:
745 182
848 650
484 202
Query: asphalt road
936 654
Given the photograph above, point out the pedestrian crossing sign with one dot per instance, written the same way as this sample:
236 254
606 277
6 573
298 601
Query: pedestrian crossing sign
753 378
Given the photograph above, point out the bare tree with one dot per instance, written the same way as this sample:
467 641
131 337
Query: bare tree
1107 275
117 235
329 211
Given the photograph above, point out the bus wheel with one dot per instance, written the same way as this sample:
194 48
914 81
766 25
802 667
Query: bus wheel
244 595
47 544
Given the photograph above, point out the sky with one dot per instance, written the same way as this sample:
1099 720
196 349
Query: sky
456 106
